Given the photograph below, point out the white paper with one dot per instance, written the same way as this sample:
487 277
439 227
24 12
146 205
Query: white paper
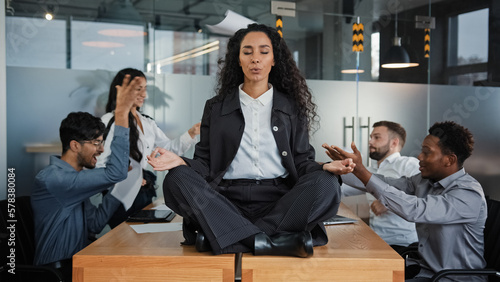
230 24
127 190
156 227
162 207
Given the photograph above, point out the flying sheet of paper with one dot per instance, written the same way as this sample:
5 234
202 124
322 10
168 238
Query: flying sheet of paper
230 24
127 190
156 227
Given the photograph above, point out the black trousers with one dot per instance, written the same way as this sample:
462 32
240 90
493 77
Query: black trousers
228 214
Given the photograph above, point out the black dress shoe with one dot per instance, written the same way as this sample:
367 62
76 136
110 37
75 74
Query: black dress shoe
188 231
290 244
202 244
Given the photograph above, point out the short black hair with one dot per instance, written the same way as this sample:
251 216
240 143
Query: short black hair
453 139
79 126
395 129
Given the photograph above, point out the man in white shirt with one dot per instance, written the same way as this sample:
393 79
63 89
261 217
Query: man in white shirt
386 142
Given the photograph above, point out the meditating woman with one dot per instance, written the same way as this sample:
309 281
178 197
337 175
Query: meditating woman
253 184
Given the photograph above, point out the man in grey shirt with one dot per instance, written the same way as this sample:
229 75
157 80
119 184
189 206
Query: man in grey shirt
447 205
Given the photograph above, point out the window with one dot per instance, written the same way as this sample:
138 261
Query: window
472 38
109 46
34 42
468 47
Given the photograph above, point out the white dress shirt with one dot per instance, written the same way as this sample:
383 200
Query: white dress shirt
149 138
258 156
389 226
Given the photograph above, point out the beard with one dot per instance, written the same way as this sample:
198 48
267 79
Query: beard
380 153
86 161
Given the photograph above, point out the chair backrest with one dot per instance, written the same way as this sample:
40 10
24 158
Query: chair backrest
492 235
24 229
24 243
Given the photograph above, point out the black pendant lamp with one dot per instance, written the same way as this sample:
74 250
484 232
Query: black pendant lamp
397 57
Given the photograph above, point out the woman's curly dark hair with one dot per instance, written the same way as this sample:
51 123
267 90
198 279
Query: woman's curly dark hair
284 76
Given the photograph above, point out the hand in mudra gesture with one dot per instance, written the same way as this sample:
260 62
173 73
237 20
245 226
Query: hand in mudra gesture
162 159
340 167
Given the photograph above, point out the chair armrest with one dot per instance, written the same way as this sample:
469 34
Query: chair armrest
472 272
411 252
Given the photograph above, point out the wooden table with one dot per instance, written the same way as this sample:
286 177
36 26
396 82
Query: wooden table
354 253
124 255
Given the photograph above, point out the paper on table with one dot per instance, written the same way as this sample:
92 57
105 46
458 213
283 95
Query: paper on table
161 207
127 190
230 24
156 227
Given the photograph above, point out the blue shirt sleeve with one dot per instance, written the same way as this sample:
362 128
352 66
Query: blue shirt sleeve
74 187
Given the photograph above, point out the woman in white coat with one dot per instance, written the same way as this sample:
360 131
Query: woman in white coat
145 135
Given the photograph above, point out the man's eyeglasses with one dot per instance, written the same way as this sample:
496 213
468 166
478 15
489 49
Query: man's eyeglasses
97 143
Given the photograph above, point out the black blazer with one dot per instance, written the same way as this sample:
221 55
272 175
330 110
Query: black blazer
222 128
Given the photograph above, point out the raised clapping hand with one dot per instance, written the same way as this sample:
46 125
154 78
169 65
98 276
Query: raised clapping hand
126 94
162 159
125 97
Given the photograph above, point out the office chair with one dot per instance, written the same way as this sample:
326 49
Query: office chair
24 244
491 248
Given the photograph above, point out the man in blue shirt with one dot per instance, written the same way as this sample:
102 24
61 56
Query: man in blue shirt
63 214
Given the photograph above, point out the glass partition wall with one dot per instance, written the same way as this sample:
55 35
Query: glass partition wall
66 64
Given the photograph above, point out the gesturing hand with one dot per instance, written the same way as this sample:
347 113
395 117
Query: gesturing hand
359 170
162 159
194 130
340 167
336 153
378 208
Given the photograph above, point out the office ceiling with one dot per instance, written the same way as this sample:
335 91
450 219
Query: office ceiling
190 15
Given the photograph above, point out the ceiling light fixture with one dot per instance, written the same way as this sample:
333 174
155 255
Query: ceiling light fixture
352 71
193 53
102 44
49 14
197 26
397 57
119 32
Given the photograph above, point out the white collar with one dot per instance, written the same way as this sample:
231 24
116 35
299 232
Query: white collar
390 159
263 99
